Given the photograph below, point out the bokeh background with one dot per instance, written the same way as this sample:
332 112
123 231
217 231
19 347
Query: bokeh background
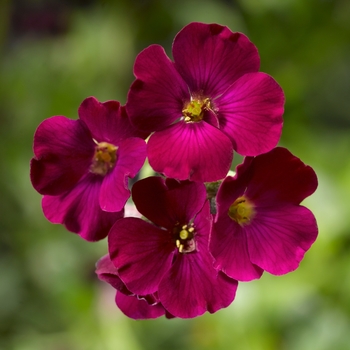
56 53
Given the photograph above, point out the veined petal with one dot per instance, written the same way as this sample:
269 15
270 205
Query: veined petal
279 176
131 155
250 113
107 272
194 151
156 98
228 245
138 309
79 210
279 237
141 252
210 57
167 202
107 121
193 286
63 150
228 241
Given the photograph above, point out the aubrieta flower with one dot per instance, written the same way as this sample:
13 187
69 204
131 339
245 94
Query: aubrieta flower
210 101
260 224
82 166
169 254
134 306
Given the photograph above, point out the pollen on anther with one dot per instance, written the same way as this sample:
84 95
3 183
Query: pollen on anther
242 211
183 234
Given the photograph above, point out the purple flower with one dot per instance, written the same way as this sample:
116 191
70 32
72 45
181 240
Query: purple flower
82 167
133 306
210 101
169 254
260 224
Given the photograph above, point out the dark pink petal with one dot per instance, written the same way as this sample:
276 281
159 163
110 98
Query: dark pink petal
250 113
115 192
233 187
194 151
279 237
149 196
156 98
107 272
228 245
210 57
79 210
138 309
279 176
63 150
107 121
141 252
168 202
193 287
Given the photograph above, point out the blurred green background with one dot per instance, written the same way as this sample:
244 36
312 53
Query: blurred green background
56 53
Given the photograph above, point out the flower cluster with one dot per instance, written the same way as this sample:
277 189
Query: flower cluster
196 232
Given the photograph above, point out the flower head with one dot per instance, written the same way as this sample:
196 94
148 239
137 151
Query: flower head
168 254
210 101
82 166
260 224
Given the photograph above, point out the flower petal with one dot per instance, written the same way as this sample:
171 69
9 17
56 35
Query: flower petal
138 309
228 245
79 210
156 98
250 113
142 253
210 57
107 272
114 192
167 202
194 151
279 237
107 121
63 150
193 286
279 176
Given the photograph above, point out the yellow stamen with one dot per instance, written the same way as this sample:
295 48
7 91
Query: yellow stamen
194 110
242 211
104 158
184 234
184 238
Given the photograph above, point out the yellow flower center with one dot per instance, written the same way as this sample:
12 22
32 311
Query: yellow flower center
242 211
104 158
184 238
194 110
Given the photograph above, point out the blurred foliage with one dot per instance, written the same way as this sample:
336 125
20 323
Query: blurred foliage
56 53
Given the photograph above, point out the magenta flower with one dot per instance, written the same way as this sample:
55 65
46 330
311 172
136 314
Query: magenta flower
260 224
169 255
210 101
82 167
133 306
